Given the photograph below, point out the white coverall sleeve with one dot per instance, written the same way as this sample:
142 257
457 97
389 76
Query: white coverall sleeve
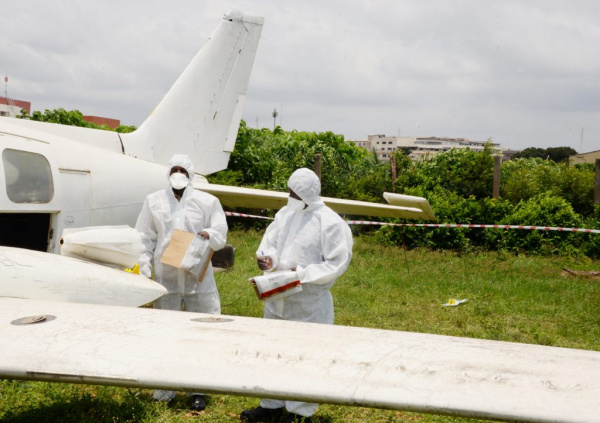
268 244
336 241
217 226
146 227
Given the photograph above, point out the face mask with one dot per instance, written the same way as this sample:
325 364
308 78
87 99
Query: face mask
295 204
178 180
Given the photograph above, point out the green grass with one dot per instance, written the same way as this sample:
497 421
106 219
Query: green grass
510 298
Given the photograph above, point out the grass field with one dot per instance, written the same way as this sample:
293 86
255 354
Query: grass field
510 298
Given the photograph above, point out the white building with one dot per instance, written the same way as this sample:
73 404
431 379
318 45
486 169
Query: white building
419 146
590 157
12 108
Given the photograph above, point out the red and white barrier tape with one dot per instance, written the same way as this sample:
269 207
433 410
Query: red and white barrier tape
227 213
443 225
468 225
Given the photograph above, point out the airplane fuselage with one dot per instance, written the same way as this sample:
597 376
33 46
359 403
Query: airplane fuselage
52 182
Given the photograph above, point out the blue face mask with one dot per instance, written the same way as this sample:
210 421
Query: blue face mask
295 205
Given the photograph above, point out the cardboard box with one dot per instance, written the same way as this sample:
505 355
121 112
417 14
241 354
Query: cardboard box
189 252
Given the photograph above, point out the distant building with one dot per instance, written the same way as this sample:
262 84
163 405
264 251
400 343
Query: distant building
585 157
12 108
507 154
419 147
111 123
362 144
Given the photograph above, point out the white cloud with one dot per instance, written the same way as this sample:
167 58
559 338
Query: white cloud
525 73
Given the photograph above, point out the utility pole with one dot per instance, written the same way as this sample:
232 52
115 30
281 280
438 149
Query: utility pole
318 165
496 180
597 187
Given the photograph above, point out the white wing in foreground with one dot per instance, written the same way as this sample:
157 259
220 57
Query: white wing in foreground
121 346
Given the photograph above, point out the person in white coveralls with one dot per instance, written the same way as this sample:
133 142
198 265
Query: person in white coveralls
310 238
181 207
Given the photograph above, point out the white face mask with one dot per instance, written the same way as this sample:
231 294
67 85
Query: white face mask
295 204
178 180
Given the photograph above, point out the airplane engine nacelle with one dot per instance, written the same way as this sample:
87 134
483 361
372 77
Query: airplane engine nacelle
117 246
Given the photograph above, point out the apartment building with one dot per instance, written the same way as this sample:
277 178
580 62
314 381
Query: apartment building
419 147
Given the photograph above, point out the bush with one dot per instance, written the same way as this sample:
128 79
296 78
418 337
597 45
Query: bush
523 179
461 171
541 210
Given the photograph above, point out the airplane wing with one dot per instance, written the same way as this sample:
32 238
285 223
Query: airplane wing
401 206
37 275
104 345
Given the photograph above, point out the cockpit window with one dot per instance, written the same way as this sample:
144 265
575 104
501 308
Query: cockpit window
28 177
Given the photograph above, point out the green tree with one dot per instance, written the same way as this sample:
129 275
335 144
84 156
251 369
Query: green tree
556 154
123 129
531 152
560 154
70 118
523 179
460 170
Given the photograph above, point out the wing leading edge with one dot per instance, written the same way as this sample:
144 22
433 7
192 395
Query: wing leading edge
401 206
92 344
36 275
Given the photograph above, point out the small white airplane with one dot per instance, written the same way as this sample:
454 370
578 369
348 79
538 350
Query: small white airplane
57 177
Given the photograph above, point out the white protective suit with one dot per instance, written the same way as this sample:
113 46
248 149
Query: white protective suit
161 214
318 243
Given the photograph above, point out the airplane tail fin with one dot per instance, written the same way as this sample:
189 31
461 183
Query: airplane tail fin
201 113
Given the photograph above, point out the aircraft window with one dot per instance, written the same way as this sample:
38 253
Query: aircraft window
28 177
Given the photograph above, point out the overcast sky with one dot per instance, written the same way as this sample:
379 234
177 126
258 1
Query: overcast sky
523 73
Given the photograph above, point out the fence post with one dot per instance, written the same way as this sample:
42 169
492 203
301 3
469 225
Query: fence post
318 165
496 183
597 187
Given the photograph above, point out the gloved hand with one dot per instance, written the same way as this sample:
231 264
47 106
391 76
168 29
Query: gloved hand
264 262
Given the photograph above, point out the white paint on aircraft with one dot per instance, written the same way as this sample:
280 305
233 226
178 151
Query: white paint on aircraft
418 203
147 348
200 115
408 207
117 246
43 276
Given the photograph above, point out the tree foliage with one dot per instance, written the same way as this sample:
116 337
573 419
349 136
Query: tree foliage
265 159
556 154
460 170
523 179
70 118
